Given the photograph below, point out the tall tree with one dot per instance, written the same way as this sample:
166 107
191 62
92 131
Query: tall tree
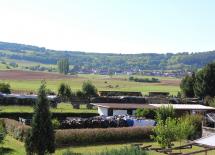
205 81
41 139
63 65
187 85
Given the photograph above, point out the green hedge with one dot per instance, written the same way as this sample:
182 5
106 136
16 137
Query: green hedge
16 115
72 137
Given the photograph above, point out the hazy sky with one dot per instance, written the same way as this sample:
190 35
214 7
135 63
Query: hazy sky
117 26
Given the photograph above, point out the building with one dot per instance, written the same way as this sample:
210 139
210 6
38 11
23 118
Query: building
111 109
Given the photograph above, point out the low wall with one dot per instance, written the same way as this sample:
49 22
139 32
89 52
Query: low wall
207 131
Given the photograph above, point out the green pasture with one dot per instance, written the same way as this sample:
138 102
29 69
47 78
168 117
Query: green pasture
12 146
102 82
62 107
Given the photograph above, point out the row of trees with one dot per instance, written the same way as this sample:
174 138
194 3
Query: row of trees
88 90
201 83
63 65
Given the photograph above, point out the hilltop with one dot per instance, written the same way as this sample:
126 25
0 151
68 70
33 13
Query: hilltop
39 58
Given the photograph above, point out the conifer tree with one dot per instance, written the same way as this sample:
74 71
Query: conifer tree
41 139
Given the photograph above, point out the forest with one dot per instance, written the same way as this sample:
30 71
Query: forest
107 61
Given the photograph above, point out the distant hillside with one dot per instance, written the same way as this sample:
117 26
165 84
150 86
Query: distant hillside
107 62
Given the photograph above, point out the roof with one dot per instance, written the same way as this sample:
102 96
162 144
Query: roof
208 141
185 106
152 106
124 105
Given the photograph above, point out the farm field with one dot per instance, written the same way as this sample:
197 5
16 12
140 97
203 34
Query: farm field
12 146
62 107
26 81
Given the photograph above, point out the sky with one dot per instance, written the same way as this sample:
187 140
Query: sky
110 26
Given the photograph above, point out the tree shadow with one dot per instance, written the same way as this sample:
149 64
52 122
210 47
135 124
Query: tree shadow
5 150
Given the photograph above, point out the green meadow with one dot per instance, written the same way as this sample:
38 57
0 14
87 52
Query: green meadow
12 146
102 82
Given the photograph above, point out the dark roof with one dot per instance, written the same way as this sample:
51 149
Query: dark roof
124 105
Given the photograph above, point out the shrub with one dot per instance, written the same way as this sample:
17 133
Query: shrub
196 122
68 137
5 88
55 123
164 112
141 112
165 132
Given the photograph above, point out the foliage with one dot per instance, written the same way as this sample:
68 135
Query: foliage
41 139
205 82
165 132
106 62
141 112
164 112
196 122
72 137
123 151
55 123
5 88
89 89
187 85
63 65
152 80
2 131
64 92
185 128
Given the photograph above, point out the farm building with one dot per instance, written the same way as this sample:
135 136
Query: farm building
111 109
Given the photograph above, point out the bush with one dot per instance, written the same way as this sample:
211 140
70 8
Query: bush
196 122
5 88
69 137
55 123
164 112
64 92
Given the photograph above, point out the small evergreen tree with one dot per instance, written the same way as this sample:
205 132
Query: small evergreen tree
41 138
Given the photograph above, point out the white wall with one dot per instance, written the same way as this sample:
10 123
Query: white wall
119 112
103 111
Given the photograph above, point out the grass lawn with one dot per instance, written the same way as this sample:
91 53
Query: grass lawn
15 147
102 82
62 107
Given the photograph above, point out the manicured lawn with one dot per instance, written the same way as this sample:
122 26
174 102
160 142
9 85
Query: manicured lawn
15 147
102 82
62 107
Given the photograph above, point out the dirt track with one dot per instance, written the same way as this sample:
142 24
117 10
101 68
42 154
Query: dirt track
28 75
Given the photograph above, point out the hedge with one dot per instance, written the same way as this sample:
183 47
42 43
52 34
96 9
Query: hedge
16 129
59 115
71 137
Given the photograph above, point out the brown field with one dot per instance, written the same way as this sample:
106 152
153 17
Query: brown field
29 75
